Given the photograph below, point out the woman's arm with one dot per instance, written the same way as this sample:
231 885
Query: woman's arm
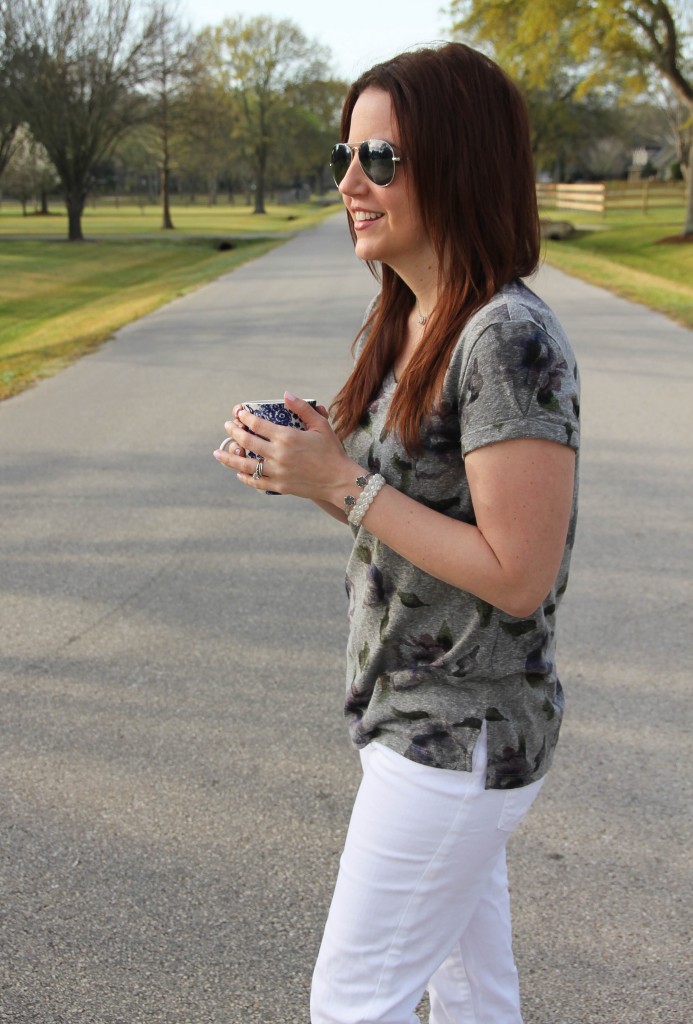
522 496
521 492
332 510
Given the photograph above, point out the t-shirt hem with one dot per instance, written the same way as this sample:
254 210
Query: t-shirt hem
509 430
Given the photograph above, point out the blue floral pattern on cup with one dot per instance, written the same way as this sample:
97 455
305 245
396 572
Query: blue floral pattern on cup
275 411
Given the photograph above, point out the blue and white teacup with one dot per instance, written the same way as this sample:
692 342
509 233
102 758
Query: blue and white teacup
275 411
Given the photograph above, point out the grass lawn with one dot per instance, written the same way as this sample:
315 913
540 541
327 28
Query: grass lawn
625 253
106 220
60 299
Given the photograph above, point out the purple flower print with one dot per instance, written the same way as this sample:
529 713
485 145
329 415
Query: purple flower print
538 667
357 701
510 766
418 656
378 589
433 745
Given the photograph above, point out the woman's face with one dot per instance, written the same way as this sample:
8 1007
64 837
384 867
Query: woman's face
387 220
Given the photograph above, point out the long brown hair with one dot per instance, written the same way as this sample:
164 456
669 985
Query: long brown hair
464 134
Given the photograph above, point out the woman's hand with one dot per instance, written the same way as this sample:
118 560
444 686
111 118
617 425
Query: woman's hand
308 463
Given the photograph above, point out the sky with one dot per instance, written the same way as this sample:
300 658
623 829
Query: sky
358 32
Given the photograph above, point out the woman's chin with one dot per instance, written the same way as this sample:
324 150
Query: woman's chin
368 249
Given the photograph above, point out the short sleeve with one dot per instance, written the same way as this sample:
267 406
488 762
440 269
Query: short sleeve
519 381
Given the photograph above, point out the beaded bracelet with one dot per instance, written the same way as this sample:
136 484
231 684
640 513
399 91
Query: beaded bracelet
365 499
350 500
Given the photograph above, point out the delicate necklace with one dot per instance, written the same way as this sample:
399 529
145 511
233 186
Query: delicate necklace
423 317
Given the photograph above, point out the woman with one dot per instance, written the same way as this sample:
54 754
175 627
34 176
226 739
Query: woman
453 458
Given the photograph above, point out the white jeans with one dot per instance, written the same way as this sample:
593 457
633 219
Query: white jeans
421 899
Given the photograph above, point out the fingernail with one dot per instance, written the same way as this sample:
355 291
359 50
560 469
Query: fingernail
287 394
218 455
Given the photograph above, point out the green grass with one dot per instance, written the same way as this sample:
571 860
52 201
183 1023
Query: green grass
105 220
626 253
60 299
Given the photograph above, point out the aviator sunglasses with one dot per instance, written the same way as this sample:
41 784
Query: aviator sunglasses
377 159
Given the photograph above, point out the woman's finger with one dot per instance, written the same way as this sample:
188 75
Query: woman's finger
259 426
310 416
231 444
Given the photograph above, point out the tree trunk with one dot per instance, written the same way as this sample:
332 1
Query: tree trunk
44 203
261 167
167 224
75 207
688 175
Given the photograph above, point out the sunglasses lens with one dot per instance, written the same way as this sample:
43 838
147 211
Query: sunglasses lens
377 161
339 161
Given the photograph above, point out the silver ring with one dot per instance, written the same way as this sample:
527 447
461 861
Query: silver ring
259 468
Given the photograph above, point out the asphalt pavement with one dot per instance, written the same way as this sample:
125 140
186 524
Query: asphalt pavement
175 776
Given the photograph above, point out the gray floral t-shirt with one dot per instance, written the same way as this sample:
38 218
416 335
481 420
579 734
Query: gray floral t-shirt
428 663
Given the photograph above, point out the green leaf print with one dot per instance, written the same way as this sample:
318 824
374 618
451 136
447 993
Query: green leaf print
494 715
410 600
383 434
468 723
444 637
382 685
410 716
404 469
519 626
384 623
549 401
363 656
363 552
548 709
485 612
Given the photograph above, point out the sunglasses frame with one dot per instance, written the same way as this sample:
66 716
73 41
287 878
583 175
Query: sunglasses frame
355 148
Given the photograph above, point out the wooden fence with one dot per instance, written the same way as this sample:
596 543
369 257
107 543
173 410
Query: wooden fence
604 197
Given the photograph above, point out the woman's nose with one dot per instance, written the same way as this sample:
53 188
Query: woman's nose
354 179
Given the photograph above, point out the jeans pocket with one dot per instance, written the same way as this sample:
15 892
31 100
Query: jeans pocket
516 805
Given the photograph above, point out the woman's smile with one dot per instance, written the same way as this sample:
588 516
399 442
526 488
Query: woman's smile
362 218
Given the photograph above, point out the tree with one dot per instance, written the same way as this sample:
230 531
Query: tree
136 166
564 126
314 113
615 41
679 126
171 58
76 80
8 118
261 59
29 174
207 131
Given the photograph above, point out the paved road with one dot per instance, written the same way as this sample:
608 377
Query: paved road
175 780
